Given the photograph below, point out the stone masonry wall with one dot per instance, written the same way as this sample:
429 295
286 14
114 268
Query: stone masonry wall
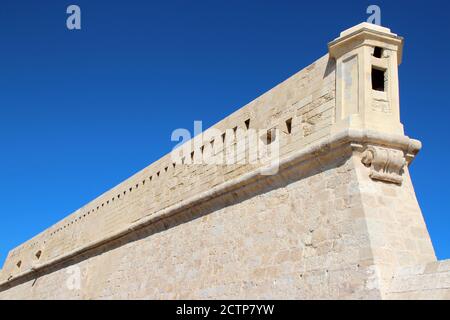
338 220
395 225
425 281
299 235
306 100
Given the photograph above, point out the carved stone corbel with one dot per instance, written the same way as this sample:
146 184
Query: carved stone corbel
385 164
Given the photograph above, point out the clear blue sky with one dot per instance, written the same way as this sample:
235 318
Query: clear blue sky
80 111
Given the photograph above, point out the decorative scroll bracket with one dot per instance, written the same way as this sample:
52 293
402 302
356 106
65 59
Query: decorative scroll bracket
385 164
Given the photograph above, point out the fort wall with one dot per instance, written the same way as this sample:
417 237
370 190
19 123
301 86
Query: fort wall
338 218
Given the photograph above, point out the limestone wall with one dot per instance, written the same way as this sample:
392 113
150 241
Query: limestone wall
288 237
339 218
306 99
425 281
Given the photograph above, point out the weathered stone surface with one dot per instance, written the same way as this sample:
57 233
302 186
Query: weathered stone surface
339 218
428 281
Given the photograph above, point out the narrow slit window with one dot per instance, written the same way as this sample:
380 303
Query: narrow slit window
289 125
247 123
19 264
378 79
270 136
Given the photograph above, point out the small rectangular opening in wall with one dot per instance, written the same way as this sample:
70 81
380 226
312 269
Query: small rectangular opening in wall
378 79
378 52
289 125
247 123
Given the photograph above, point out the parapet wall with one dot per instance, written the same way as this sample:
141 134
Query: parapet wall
306 100
337 219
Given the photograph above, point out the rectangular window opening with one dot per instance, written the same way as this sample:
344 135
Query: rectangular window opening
378 79
378 52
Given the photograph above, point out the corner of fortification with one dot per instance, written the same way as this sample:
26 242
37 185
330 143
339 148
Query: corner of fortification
339 219
367 100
